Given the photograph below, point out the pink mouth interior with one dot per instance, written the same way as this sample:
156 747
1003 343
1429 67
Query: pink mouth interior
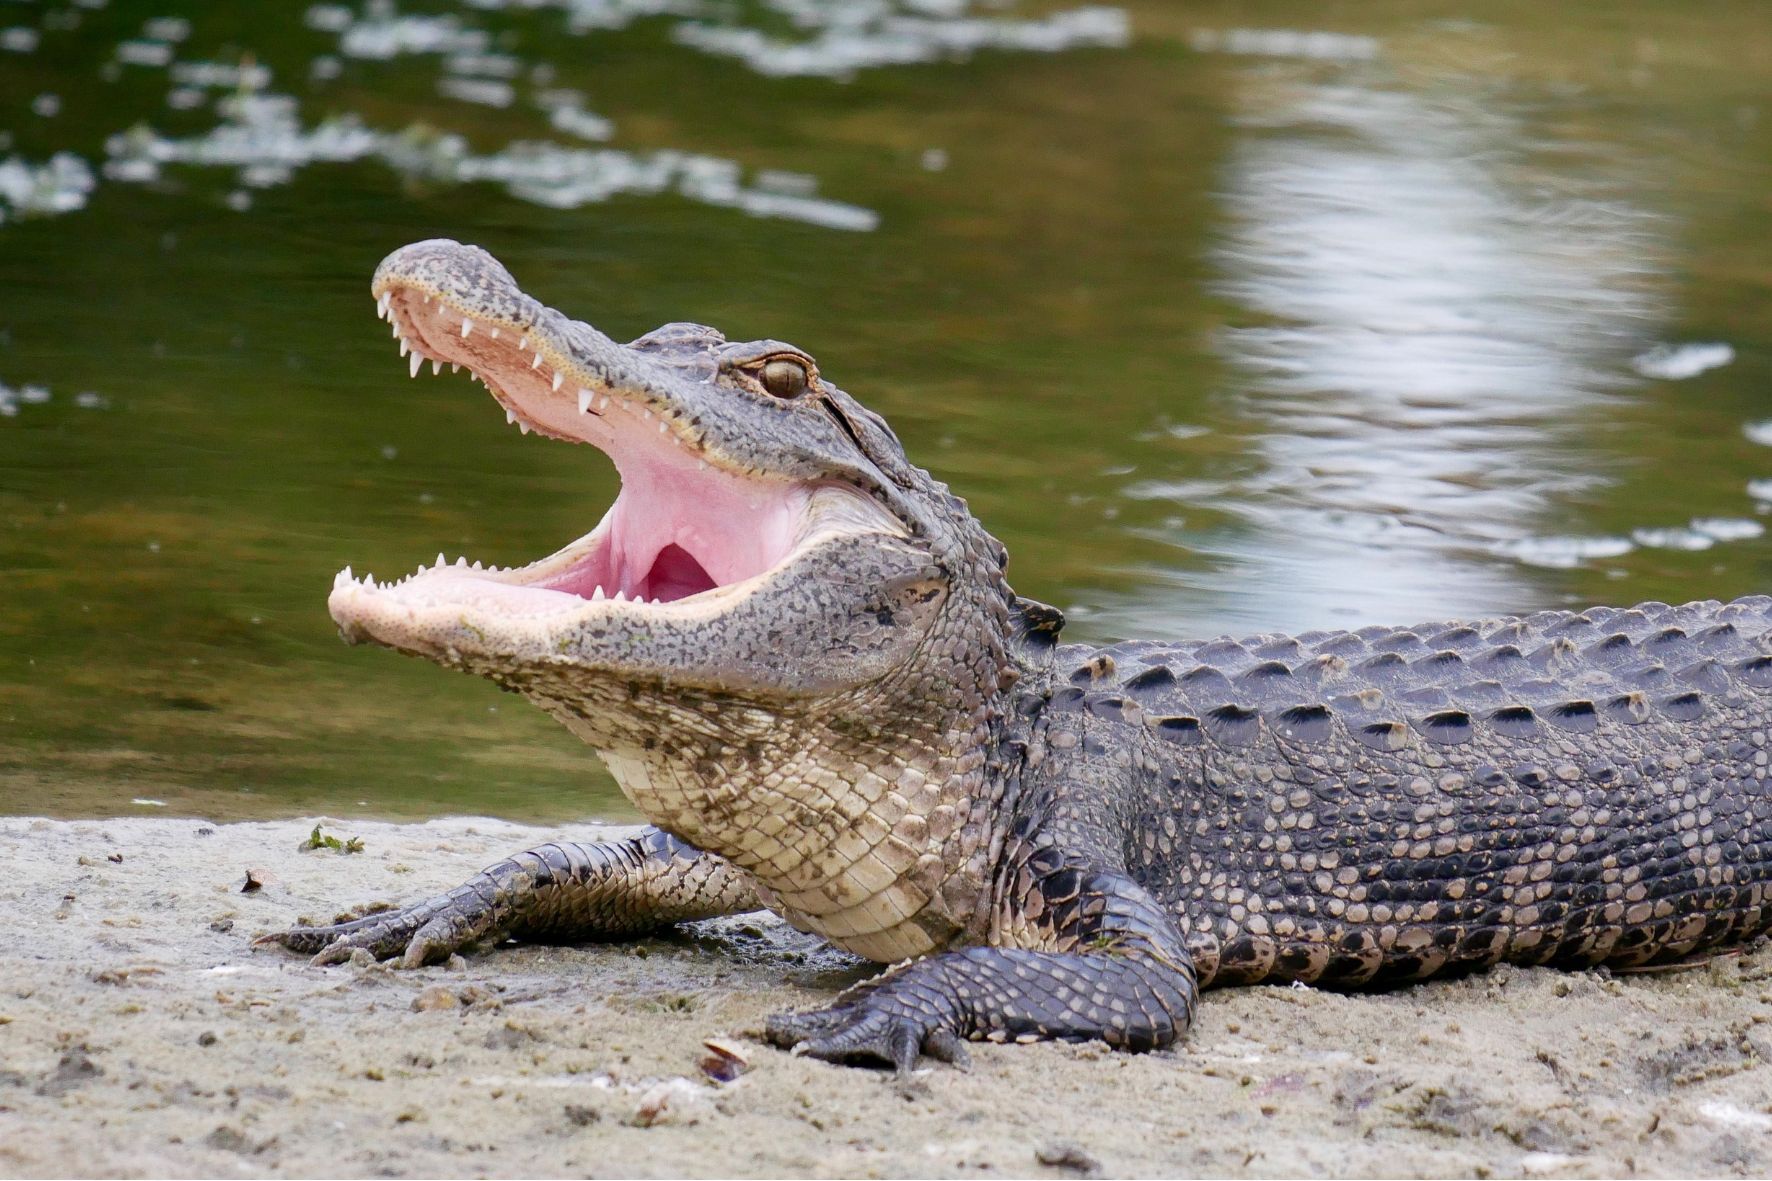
680 526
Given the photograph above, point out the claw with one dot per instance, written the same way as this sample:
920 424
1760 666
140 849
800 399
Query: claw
336 952
947 1047
903 1045
856 1030
429 942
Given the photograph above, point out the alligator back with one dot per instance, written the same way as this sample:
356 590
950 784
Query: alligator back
1383 804
1447 683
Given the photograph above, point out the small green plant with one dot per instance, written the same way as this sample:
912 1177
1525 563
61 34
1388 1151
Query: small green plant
320 840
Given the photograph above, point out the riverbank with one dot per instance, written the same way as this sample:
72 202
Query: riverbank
141 1034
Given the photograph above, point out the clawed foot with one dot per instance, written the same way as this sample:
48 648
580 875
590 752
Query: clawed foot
869 1028
420 934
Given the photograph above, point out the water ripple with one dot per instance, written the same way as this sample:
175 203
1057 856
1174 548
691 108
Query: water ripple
1436 306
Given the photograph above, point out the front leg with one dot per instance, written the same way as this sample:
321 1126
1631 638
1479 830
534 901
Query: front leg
1116 971
559 893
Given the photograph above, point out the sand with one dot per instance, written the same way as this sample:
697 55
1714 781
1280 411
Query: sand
141 1034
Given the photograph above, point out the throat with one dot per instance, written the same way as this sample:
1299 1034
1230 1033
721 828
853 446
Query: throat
675 574
881 853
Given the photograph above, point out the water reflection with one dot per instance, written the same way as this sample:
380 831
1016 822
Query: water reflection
261 133
1437 313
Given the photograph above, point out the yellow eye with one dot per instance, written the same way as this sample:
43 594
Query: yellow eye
784 378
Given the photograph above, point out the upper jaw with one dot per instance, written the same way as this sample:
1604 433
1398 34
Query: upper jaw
694 527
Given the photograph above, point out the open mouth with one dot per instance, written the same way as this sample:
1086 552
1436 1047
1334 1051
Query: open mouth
685 531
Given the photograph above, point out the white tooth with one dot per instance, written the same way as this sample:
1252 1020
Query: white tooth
701 465
557 380
524 427
404 347
396 330
427 301
384 304
454 367
467 326
494 332
441 560
414 360
348 576
476 563
342 577
522 344
510 417
536 364
461 562
597 595
436 366
646 415
584 401
661 428
604 404
621 597
655 602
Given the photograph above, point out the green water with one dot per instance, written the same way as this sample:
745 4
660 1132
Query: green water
1219 329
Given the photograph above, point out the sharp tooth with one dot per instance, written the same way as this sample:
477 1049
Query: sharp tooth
467 326
510 417
655 602
396 328
524 427
404 347
441 560
347 575
661 427
536 364
385 304
476 563
415 361
461 562
494 332
436 366
701 465
597 595
454 367
646 415
522 344
342 577
621 596
604 404
557 380
584 401
427 301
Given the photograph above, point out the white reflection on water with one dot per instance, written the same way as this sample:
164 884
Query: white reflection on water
264 137
1439 309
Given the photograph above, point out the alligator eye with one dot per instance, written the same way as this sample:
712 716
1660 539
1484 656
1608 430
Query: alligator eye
784 379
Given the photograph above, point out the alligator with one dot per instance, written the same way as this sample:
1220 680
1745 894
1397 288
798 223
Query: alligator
801 659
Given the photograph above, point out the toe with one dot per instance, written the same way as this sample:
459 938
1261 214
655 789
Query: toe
947 1047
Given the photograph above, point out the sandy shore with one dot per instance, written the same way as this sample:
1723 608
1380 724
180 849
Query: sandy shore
140 1034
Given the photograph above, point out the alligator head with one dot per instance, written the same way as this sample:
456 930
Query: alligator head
781 625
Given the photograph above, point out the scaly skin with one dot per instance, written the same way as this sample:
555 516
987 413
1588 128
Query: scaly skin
877 739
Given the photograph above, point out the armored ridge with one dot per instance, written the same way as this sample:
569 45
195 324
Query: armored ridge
799 657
